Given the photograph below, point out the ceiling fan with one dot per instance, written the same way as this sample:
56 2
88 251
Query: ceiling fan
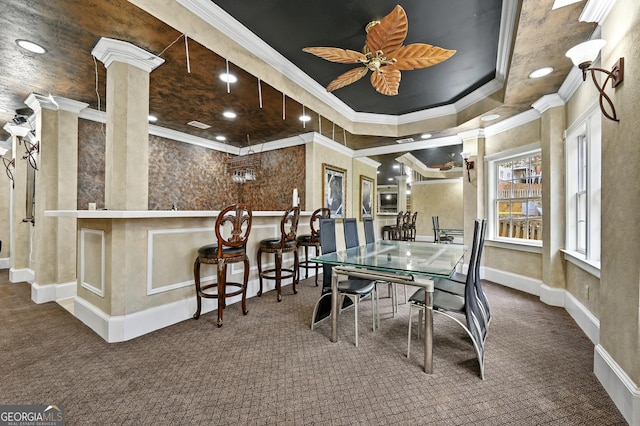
384 54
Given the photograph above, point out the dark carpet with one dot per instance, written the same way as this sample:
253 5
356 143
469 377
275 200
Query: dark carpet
269 368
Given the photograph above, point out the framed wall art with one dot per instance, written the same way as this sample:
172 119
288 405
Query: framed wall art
334 190
366 197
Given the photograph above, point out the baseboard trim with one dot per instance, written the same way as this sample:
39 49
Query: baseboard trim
129 326
511 280
5 263
52 292
21 275
620 388
623 392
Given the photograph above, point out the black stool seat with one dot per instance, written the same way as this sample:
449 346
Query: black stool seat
212 251
285 244
275 244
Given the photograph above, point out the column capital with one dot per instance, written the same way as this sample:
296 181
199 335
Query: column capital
108 50
55 103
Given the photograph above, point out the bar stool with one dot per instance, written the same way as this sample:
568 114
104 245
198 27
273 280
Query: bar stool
285 244
312 240
394 232
228 250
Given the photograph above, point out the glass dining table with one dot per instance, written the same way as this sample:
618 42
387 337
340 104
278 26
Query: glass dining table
403 262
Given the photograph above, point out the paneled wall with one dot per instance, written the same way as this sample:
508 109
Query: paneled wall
193 177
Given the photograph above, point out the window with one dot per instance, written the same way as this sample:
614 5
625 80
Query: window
583 153
515 196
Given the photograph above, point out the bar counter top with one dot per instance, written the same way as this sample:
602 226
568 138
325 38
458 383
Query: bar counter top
150 214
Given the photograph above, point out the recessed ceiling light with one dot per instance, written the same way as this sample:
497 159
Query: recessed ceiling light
396 166
31 46
390 179
229 114
228 78
490 117
305 118
220 138
426 135
541 72
153 118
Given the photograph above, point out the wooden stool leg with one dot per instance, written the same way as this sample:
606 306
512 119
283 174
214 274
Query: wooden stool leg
306 258
279 274
222 283
196 278
244 286
260 270
296 273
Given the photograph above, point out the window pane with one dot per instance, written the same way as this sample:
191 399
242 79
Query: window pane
581 222
519 198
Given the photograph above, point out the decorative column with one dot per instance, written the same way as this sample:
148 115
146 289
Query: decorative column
20 232
473 183
127 144
402 192
53 246
552 128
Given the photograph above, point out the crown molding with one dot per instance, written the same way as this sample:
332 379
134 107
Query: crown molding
108 50
228 25
596 11
512 122
368 161
547 102
54 103
411 146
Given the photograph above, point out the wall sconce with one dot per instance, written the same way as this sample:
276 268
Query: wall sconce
32 145
9 165
469 165
583 56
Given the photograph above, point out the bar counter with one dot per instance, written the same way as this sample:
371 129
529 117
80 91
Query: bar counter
135 268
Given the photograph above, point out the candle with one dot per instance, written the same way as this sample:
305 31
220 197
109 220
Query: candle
295 197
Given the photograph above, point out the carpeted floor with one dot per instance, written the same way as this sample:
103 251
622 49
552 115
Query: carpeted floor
269 368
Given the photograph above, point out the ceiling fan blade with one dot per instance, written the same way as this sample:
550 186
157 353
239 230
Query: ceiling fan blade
335 54
420 55
386 81
347 78
390 33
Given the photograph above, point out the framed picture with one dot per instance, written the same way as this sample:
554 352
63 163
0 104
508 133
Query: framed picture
334 190
366 197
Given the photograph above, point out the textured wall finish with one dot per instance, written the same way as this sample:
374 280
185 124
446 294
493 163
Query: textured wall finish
91 145
193 177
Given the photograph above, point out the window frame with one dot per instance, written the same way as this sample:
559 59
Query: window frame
585 131
491 167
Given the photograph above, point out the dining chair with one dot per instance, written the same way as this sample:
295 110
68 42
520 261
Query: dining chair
453 305
369 231
369 236
456 284
286 243
229 249
439 236
354 289
312 240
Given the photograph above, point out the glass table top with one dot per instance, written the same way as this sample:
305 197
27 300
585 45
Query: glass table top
404 257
